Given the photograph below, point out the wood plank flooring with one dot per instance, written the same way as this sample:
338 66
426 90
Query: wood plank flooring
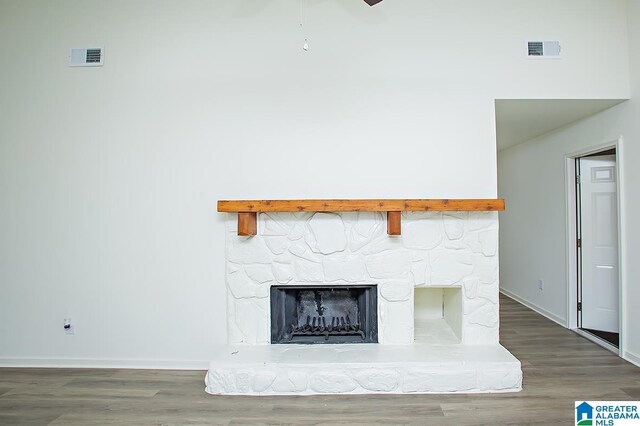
559 367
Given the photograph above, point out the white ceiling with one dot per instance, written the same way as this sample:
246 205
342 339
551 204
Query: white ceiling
519 120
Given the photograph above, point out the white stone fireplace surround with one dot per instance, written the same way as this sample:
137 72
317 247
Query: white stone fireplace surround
438 307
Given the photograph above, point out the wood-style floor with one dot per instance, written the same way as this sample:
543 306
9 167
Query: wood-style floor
559 367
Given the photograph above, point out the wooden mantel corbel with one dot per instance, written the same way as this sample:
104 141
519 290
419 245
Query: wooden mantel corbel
248 209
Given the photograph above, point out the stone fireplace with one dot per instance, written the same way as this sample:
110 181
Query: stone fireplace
298 290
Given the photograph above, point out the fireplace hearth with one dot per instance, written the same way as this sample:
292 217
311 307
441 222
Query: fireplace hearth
324 314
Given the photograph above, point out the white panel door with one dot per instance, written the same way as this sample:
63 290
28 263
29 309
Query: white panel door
599 226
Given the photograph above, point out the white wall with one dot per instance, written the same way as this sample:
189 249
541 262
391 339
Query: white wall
109 176
533 229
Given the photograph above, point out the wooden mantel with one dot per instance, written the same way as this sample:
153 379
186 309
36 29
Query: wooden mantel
248 209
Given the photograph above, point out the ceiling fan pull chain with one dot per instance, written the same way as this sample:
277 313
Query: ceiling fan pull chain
303 16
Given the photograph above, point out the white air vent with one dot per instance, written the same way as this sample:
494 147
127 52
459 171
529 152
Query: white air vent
86 57
543 49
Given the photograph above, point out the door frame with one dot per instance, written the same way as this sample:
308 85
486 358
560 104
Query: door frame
571 241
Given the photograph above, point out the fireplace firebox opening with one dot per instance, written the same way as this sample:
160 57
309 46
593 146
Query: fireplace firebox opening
324 314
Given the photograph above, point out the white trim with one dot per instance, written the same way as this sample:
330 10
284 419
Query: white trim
593 149
632 358
550 315
571 251
622 243
147 364
597 340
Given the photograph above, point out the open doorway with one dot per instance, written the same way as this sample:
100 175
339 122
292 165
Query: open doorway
597 246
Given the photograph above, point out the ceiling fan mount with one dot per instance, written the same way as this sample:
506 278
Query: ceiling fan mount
372 2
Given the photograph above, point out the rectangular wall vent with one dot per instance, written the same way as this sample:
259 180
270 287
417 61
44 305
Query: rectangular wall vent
543 49
86 57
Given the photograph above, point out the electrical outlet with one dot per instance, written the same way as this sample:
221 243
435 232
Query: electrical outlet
541 284
68 326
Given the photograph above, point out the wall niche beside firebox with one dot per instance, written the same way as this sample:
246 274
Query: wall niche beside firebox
438 315
323 314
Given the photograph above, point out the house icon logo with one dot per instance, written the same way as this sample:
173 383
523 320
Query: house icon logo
584 414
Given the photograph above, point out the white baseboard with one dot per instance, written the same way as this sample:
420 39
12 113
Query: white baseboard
550 315
143 364
632 358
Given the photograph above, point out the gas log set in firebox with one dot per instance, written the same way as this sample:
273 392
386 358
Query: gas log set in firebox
317 326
